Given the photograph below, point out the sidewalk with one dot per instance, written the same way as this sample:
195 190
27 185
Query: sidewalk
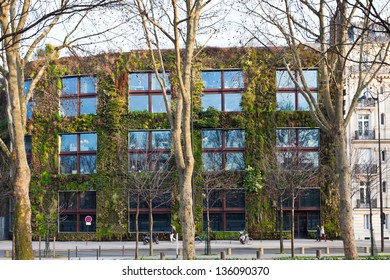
265 249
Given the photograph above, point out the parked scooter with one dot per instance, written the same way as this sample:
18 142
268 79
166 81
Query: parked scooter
244 237
146 239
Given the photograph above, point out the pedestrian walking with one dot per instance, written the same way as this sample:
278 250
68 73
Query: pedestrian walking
323 235
173 233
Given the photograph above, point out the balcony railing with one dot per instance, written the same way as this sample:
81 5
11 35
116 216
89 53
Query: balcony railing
367 102
365 203
364 134
366 169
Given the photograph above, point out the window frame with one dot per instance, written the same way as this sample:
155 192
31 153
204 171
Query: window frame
77 152
150 93
293 90
78 211
223 210
296 150
78 96
149 151
222 90
223 151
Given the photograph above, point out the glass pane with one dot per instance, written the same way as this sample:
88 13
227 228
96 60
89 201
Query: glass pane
143 222
67 223
309 160
69 85
215 222
211 100
88 142
158 104
87 228
88 106
156 84
88 164
212 79
283 80
29 112
303 105
68 107
211 139
214 198
211 161
87 85
27 85
233 102
235 161
310 198
138 140
235 198
160 162
68 165
286 138
235 221
67 200
68 143
138 162
311 78
139 81
28 143
313 219
138 103
309 138
233 79
287 160
235 138
285 101
161 140
88 200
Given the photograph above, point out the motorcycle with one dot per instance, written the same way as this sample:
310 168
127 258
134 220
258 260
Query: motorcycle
244 237
146 239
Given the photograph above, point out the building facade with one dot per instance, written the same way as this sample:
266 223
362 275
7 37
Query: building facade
100 151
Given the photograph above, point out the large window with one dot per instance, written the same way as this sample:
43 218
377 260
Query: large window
145 93
226 208
223 149
288 97
78 96
161 212
73 207
149 150
222 90
298 148
78 153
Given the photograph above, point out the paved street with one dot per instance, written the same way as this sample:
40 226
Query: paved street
267 249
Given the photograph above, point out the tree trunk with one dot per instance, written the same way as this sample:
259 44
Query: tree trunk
281 250
20 170
344 172
292 224
208 230
150 228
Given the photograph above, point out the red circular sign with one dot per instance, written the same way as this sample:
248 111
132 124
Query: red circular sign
88 219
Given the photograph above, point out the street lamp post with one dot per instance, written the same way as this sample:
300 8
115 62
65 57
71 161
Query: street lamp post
380 175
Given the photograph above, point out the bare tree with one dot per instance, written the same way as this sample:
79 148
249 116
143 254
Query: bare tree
322 28
181 30
24 26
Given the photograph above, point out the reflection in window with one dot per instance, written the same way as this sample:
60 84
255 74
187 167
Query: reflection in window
223 149
78 153
73 207
222 90
226 209
78 96
149 150
298 148
29 111
288 97
145 92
